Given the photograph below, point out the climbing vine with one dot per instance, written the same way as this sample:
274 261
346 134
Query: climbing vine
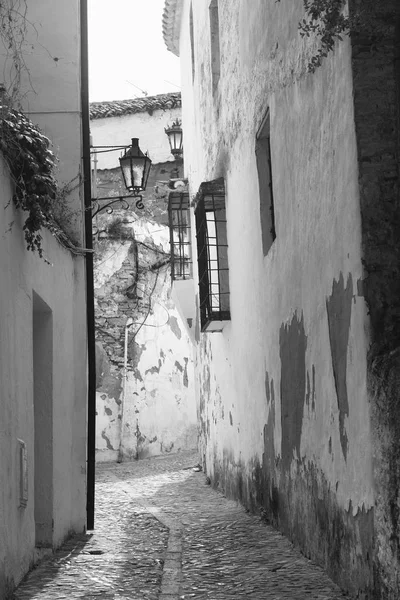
328 22
32 164
26 150
14 26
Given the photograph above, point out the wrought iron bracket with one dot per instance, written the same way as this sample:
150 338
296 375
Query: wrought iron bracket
109 206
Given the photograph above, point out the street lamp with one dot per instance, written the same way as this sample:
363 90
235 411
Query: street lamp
135 168
175 138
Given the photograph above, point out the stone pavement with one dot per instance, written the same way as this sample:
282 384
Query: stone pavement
162 533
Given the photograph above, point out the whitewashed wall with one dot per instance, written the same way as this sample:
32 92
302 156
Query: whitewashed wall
53 104
149 128
277 429
60 285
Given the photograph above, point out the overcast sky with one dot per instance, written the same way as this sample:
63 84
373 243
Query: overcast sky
126 49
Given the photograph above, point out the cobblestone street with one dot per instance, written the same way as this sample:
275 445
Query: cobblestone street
162 533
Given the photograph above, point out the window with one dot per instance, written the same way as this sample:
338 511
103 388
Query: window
264 168
212 248
179 229
215 49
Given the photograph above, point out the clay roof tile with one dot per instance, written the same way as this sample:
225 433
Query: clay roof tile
117 108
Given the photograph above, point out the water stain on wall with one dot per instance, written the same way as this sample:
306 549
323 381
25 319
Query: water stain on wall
338 307
310 395
197 324
185 373
292 350
153 369
268 458
173 323
107 440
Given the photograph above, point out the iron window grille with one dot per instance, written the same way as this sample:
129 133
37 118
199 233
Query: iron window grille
179 230
212 249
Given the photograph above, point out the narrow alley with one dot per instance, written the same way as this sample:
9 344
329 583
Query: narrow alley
162 533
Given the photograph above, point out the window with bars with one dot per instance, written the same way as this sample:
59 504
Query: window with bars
212 249
179 229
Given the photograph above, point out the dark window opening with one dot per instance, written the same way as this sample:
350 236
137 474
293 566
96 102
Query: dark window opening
42 362
212 248
264 168
179 230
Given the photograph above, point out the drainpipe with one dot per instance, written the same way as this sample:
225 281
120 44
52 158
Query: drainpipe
129 323
91 419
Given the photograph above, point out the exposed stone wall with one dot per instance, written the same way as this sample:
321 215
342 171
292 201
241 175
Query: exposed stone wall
132 279
155 197
376 69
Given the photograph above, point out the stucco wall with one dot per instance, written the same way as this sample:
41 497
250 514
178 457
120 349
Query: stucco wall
147 126
60 285
35 293
156 413
50 86
282 390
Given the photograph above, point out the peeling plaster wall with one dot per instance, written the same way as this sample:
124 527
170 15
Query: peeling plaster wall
158 413
282 391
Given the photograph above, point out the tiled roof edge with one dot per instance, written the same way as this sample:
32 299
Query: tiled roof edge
171 24
117 108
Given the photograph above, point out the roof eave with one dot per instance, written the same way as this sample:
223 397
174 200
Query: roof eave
119 108
171 24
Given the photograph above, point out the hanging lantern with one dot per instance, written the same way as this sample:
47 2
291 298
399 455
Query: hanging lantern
175 138
135 167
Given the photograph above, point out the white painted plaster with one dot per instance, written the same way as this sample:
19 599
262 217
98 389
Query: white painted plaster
149 128
50 88
61 286
183 294
315 184
53 104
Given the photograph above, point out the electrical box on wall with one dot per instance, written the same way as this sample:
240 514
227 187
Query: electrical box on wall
23 474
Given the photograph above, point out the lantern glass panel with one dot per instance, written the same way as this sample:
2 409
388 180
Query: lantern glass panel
135 168
137 171
146 171
177 140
